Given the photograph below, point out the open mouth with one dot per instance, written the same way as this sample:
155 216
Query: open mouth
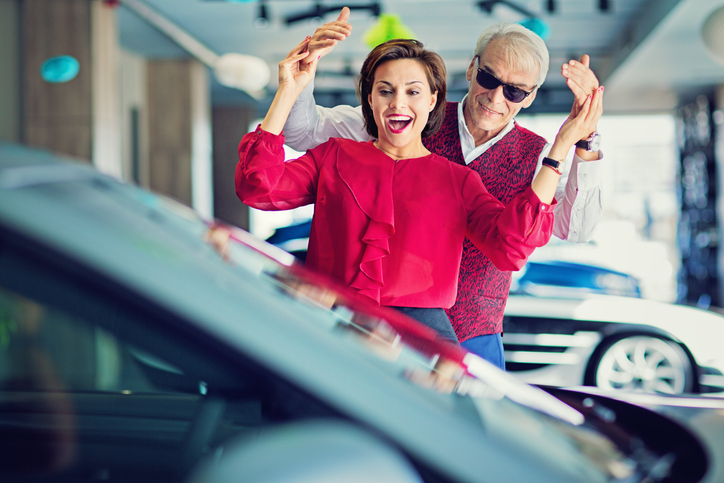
398 124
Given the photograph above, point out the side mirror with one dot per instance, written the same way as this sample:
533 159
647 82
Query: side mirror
307 452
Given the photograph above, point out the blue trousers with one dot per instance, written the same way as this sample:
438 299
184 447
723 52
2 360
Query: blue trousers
489 347
434 318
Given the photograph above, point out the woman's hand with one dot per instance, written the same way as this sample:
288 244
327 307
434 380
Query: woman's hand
294 75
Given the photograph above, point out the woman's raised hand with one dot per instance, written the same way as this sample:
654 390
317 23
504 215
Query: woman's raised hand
294 75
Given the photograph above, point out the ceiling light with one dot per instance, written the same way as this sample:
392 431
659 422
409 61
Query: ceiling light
319 11
712 32
388 27
532 22
262 19
244 72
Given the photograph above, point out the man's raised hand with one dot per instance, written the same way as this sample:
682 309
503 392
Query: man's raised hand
327 36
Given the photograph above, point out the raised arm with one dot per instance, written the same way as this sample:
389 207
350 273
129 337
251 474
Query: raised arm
508 235
582 81
579 195
309 125
294 76
263 179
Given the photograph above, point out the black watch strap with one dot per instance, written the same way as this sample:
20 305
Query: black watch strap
552 163
591 143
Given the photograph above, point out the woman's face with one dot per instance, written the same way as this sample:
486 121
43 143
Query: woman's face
401 101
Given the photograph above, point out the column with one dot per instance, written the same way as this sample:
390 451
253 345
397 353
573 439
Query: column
179 132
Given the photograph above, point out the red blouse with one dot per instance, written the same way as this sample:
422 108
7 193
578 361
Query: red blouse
392 230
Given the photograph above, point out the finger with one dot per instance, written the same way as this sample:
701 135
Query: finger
321 44
343 15
310 65
582 85
585 60
300 47
596 106
585 108
332 32
579 93
292 59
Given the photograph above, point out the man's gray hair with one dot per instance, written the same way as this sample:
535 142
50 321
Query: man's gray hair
523 48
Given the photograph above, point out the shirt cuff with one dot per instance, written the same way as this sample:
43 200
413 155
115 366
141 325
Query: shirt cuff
589 173
268 137
532 198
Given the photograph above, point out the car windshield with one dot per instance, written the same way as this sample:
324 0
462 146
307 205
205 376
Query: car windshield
424 359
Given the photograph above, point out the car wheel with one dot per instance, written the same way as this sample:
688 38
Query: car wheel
644 363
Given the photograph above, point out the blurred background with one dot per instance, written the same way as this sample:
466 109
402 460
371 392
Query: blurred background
159 93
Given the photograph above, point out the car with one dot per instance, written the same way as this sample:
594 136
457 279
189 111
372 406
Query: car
614 343
132 350
537 277
561 278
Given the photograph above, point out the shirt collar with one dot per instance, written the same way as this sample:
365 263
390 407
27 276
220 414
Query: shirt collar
467 142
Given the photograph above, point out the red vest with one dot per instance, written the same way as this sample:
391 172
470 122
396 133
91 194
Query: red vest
507 169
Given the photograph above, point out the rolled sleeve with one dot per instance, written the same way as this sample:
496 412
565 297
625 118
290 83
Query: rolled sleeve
580 199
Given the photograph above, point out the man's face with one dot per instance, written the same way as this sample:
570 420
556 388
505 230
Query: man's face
487 111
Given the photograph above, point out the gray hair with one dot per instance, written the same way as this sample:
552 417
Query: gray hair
523 48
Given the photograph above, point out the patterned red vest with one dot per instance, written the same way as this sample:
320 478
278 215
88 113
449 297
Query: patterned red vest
507 168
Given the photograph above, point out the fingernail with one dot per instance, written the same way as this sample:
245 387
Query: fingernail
602 88
319 57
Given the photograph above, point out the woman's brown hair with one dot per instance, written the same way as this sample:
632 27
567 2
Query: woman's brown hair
404 49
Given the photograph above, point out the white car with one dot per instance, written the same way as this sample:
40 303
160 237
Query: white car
614 343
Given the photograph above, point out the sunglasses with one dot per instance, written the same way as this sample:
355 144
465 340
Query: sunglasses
488 81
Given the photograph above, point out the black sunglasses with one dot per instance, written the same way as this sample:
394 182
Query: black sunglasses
488 81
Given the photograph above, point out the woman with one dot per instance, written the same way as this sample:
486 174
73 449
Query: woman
390 217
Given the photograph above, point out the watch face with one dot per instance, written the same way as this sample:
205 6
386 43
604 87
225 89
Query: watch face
595 142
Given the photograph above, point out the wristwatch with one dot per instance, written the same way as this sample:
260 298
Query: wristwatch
556 166
591 143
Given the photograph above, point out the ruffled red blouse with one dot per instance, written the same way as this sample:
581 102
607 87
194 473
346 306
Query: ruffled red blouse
392 230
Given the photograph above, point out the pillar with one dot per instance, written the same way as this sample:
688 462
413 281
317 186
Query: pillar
80 117
179 132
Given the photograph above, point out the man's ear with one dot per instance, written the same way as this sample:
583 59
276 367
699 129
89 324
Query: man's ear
471 70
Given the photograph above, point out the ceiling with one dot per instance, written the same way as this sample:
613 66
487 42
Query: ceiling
648 53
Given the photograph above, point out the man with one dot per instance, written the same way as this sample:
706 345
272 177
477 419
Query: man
508 66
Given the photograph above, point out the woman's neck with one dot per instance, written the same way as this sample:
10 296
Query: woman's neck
410 151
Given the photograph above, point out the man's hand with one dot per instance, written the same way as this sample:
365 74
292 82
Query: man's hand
580 79
580 123
327 36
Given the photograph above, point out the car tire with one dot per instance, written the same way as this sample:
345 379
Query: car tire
643 363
